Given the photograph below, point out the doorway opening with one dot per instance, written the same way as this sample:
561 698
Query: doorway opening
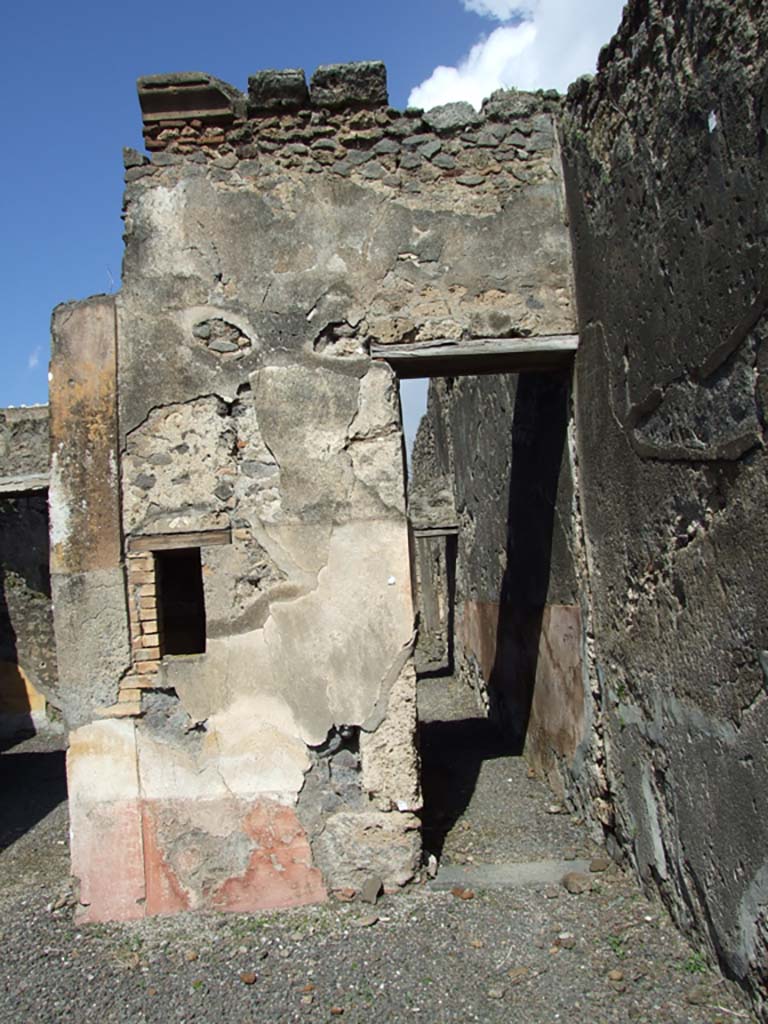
490 503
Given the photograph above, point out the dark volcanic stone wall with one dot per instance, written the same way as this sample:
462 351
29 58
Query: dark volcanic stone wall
26 626
27 650
665 155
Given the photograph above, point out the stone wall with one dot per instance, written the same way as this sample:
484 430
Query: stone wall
225 404
27 651
665 153
24 446
432 517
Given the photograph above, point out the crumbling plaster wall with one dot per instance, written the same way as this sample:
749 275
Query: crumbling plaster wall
501 444
269 241
27 651
665 155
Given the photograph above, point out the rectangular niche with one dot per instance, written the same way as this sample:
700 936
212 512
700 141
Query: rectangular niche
180 601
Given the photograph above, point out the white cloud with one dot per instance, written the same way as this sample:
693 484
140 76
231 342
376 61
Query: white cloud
549 45
34 358
502 10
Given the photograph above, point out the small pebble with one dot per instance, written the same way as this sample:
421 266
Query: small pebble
461 893
576 882
367 921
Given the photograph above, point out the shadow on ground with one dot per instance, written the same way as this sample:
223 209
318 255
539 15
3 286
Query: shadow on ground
32 784
452 754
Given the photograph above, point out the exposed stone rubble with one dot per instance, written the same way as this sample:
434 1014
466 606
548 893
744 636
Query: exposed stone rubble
342 126
24 442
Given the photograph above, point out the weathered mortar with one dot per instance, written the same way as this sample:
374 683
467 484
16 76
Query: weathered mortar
667 188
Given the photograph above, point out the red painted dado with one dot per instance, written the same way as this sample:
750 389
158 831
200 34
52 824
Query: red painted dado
107 858
164 893
147 857
280 872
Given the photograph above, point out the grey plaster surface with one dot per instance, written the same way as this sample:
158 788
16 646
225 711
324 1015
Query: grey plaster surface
92 644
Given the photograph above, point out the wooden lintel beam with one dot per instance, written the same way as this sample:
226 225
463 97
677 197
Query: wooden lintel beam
168 541
445 357
23 484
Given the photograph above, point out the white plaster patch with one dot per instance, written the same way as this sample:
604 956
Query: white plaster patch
248 749
377 408
101 763
328 649
336 265
167 243
170 771
256 745
58 506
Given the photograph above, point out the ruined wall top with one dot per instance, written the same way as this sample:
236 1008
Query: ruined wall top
341 122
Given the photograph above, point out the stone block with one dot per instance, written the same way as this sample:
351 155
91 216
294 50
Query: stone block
146 654
188 96
350 86
271 91
354 846
452 117
129 695
122 709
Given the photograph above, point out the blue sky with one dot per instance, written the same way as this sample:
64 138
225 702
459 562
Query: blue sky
69 106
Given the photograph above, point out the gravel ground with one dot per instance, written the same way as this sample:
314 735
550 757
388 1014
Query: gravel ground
530 955
481 805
